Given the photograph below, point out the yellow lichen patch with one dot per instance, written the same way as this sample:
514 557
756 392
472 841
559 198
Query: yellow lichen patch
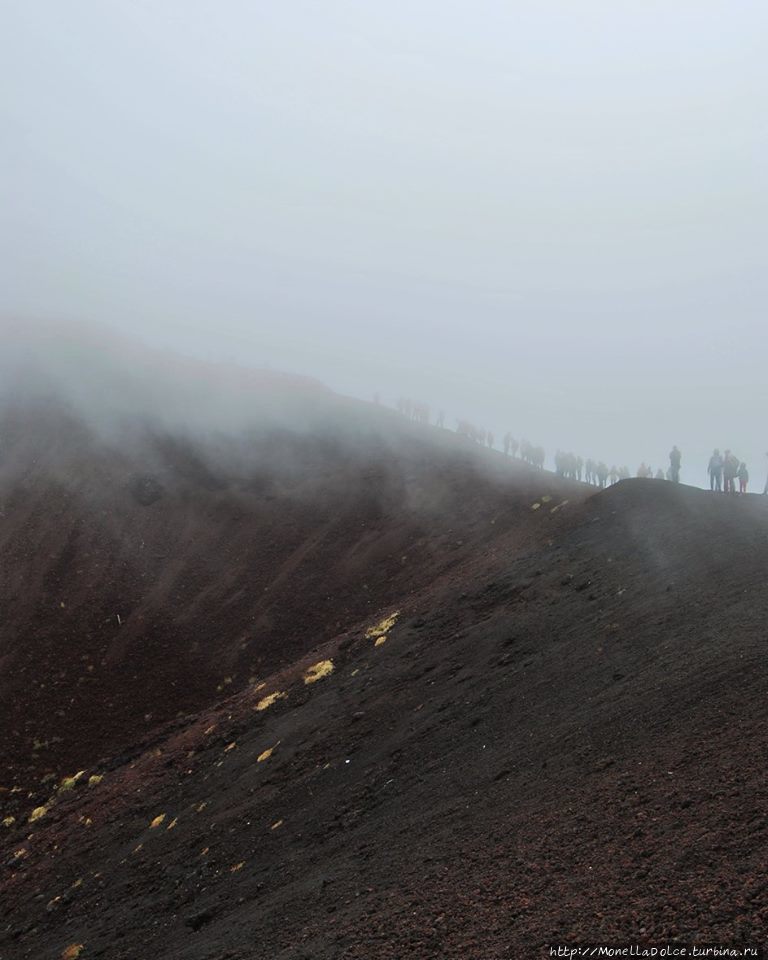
37 814
72 952
172 824
19 854
95 779
380 640
159 819
546 498
77 883
230 746
237 866
201 806
380 630
535 506
318 671
265 755
9 821
68 783
209 730
270 699
276 824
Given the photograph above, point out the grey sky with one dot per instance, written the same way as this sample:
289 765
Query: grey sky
544 215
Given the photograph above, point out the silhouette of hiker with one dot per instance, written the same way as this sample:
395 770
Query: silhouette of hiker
674 464
730 469
715 469
743 475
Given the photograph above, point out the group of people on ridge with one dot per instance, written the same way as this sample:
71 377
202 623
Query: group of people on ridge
724 470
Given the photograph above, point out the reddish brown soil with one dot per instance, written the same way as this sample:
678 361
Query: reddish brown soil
563 737
149 575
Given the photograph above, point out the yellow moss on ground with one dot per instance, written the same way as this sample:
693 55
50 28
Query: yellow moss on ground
382 628
37 814
159 819
72 952
379 631
265 755
68 783
270 699
318 671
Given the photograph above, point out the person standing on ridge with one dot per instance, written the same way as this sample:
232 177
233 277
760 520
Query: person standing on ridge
715 469
743 475
675 458
730 469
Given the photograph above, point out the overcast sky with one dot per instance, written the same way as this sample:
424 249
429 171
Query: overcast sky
546 215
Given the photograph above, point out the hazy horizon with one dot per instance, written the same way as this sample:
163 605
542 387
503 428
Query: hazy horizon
540 218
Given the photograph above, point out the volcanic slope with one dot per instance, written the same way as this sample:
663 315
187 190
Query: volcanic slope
564 741
150 571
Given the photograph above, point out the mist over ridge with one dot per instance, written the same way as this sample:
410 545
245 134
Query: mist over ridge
541 218
361 367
